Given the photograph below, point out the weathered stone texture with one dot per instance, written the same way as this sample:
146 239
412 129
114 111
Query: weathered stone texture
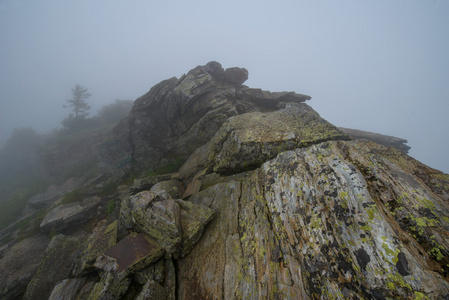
175 224
386 140
75 288
323 221
246 141
103 238
130 254
19 265
54 267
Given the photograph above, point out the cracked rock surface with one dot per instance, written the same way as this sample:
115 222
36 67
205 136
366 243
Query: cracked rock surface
323 222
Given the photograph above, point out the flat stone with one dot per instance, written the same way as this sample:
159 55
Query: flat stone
134 252
386 140
52 194
65 217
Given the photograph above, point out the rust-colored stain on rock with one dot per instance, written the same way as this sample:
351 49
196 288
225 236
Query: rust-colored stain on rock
130 250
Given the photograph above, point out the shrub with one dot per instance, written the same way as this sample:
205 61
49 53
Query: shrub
111 206
52 234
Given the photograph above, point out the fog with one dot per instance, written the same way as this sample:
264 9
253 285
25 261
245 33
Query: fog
380 66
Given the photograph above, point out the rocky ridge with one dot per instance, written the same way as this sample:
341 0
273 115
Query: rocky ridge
271 202
386 140
179 115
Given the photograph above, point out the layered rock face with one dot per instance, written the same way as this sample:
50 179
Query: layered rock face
272 202
179 115
336 220
386 140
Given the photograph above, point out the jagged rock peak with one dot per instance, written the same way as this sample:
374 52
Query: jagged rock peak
233 76
179 115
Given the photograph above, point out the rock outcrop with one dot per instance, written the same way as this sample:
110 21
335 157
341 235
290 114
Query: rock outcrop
54 267
103 238
176 225
336 219
386 140
244 142
179 115
271 202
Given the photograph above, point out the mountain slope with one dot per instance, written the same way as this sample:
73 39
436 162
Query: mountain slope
271 202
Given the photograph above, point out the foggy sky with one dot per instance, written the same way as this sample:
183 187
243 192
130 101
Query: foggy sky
380 66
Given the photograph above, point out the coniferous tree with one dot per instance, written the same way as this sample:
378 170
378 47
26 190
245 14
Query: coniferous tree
77 121
80 106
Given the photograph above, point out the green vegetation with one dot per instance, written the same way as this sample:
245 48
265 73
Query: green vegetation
80 106
52 234
78 121
441 176
111 206
419 296
435 252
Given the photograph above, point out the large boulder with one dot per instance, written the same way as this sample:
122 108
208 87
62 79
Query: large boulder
54 267
246 141
156 215
175 224
52 194
103 238
145 183
236 75
354 219
131 254
158 280
19 264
